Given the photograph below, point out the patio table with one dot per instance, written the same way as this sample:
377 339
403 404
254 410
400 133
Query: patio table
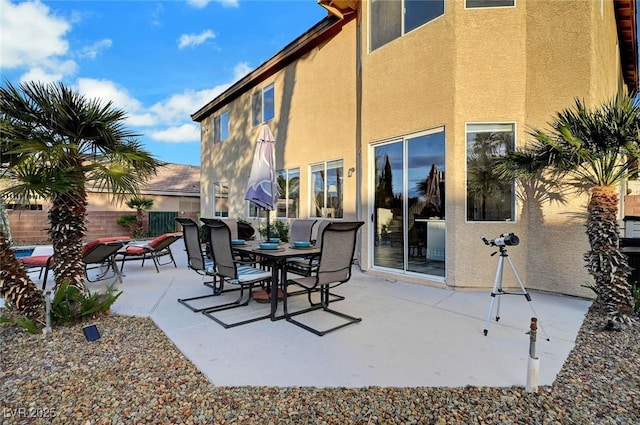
277 260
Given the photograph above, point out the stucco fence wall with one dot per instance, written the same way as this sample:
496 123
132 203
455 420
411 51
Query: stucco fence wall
30 227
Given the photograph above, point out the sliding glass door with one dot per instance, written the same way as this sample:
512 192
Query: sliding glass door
409 204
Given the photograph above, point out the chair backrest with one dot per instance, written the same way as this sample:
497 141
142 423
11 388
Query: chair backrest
191 236
321 226
232 223
98 253
301 230
338 245
87 247
221 249
163 241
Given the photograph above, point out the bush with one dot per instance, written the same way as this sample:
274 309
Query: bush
71 305
277 229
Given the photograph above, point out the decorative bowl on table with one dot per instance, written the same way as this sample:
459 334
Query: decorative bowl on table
273 240
301 244
237 242
268 245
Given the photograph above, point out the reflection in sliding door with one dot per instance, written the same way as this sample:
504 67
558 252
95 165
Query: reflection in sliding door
409 204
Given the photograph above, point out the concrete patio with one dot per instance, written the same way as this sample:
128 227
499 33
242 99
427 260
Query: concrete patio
410 335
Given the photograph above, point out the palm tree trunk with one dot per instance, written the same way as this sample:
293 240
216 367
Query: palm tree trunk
16 287
67 219
608 266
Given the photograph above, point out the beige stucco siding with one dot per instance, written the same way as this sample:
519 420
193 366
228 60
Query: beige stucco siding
517 65
314 116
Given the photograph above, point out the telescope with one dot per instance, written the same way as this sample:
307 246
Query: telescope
505 239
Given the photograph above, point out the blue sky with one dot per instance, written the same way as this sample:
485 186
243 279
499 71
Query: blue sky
158 60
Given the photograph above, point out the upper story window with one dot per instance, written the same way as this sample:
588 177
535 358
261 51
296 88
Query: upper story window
489 198
263 105
470 4
391 19
221 127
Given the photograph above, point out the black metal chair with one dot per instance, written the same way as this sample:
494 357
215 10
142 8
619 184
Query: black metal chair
338 241
197 262
230 270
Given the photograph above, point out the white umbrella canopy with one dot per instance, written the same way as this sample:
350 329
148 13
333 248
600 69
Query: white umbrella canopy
262 188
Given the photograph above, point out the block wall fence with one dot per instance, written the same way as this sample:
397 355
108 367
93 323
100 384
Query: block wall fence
30 227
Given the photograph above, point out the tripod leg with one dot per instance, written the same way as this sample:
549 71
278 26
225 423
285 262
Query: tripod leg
497 288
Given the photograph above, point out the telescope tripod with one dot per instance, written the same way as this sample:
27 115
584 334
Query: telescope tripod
497 287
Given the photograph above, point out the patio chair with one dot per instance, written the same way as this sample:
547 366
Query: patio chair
197 262
301 230
98 253
154 250
338 241
229 269
304 266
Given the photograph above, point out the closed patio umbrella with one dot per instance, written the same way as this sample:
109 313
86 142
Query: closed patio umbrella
433 188
262 189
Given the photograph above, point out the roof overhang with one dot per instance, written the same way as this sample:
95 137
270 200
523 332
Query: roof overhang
626 21
339 8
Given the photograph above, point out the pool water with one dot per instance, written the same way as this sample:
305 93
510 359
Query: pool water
23 251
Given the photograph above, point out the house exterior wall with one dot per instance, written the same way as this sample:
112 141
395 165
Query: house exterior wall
515 65
314 116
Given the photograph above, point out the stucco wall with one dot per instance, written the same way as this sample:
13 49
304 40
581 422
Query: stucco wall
495 65
314 116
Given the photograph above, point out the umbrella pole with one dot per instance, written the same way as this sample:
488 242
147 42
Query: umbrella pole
268 225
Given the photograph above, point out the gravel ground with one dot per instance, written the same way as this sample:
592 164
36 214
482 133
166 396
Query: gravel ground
135 375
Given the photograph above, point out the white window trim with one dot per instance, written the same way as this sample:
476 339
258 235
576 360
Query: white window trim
515 205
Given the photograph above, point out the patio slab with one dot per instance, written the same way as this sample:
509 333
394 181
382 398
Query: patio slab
411 335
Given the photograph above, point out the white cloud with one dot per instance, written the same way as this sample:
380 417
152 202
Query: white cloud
201 4
91 52
109 91
191 40
30 34
240 70
186 133
181 106
40 75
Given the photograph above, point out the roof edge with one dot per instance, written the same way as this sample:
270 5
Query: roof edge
316 35
626 22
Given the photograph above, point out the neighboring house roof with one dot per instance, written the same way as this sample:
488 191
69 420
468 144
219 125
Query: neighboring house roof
174 179
626 21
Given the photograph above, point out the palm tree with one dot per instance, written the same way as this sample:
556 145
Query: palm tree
598 149
63 142
140 205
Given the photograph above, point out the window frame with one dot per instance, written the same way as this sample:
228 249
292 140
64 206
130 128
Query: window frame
287 198
403 23
502 6
513 200
221 127
259 103
326 166
219 194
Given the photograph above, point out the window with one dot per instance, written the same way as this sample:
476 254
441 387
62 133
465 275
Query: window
488 197
263 105
327 189
221 199
390 19
470 4
221 127
289 188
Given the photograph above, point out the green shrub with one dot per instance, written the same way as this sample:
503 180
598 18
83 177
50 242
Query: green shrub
277 229
70 304
23 321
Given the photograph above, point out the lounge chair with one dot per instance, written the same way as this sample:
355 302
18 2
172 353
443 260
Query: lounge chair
98 253
338 241
154 250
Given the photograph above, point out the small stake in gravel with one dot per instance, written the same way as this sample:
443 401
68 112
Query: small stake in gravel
533 366
47 313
